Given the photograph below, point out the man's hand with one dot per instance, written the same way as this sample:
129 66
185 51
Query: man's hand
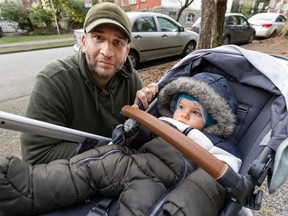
146 95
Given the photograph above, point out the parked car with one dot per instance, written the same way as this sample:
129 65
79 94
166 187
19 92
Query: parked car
267 24
237 29
196 25
154 36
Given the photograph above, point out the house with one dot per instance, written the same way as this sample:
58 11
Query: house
278 6
169 7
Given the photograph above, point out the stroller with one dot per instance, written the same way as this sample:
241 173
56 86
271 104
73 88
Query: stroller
259 82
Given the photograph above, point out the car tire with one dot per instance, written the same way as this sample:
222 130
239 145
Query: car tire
226 40
190 47
251 38
273 34
134 58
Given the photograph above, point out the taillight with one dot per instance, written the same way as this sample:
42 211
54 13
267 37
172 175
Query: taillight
266 25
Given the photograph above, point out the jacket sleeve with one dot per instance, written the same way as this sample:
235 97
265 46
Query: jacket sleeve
47 103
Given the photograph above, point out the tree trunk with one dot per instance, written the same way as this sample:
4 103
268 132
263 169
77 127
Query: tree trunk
212 22
284 31
186 4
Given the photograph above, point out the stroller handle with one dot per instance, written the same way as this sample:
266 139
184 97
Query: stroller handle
184 144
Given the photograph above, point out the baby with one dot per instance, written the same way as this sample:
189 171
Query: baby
203 108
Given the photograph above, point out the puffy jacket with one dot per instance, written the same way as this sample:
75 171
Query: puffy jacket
140 178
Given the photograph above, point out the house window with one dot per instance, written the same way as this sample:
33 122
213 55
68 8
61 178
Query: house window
190 17
173 14
132 1
123 2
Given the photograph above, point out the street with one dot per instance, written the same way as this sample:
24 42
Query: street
18 70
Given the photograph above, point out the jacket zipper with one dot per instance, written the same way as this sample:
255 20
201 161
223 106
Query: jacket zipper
95 158
157 207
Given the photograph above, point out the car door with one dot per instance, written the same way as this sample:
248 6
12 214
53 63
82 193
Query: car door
244 29
172 40
145 38
280 22
231 28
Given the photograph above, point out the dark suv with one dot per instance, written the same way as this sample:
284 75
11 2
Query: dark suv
237 29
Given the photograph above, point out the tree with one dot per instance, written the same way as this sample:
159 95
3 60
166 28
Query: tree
14 11
75 13
212 23
186 4
40 18
284 31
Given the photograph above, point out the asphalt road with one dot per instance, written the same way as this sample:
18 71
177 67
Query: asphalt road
18 70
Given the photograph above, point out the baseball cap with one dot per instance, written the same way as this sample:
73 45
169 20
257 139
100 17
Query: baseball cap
107 13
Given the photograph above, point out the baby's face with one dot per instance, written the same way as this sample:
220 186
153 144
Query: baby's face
189 113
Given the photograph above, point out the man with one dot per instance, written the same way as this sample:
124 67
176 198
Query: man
86 91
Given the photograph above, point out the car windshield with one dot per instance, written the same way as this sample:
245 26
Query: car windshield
266 17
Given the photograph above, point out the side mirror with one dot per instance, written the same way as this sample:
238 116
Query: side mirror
181 29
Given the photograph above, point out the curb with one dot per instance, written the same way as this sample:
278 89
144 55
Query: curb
36 45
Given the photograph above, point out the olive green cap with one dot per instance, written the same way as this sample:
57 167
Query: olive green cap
107 13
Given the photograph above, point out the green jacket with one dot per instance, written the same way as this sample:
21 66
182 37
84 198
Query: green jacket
65 95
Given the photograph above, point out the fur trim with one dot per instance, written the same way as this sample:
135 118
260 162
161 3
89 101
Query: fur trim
214 104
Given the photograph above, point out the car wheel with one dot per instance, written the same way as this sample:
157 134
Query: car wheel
251 38
273 34
226 40
133 58
190 47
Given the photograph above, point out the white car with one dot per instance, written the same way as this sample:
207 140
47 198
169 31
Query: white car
267 25
154 36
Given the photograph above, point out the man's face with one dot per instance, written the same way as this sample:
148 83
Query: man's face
189 113
106 50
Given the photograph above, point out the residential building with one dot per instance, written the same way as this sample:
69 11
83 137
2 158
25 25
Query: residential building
279 6
169 7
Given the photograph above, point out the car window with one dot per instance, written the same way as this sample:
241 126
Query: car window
242 21
144 24
167 25
232 20
280 19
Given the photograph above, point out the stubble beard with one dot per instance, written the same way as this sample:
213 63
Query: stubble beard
92 68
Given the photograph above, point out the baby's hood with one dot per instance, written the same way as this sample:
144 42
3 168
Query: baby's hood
212 91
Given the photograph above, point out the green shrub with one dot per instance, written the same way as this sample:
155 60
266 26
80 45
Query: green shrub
41 18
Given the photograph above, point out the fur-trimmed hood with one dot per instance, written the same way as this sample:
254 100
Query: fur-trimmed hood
212 91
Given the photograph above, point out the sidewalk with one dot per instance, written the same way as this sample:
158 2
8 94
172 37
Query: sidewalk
35 42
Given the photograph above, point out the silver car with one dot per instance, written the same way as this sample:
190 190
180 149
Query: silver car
267 24
154 36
